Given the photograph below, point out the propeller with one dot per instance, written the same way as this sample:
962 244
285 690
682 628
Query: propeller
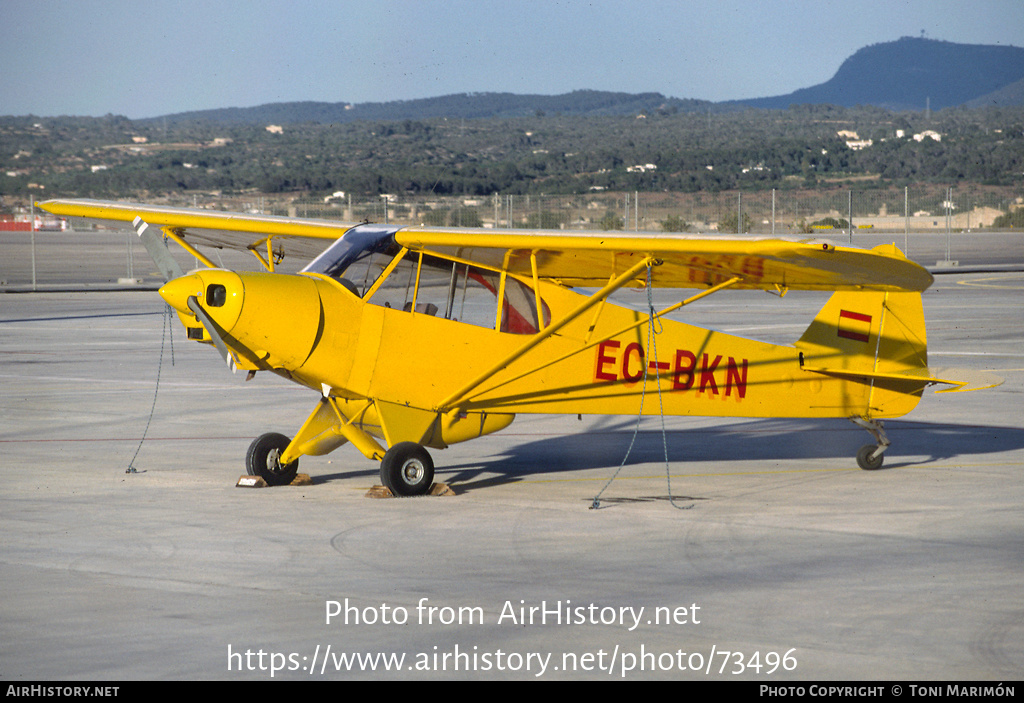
176 282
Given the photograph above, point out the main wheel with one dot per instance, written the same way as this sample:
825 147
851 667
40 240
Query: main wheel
264 460
864 459
407 469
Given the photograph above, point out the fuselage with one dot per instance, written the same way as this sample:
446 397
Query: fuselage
317 332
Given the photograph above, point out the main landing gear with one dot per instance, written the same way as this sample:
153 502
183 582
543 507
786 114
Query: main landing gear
407 469
869 457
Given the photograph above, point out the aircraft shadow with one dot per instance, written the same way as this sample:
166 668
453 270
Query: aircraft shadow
913 443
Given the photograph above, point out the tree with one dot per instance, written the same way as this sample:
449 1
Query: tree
728 223
1011 220
436 218
545 219
611 221
674 223
465 217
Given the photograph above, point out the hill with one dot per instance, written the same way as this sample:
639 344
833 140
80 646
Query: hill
1011 95
912 74
583 103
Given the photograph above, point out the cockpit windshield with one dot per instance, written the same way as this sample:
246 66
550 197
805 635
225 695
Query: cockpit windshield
426 284
358 257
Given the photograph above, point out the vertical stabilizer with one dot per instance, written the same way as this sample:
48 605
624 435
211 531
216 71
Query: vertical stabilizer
876 338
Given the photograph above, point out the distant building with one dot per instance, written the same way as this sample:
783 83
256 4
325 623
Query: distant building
853 140
926 134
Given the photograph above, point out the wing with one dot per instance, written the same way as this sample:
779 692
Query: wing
591 259
223 230
571 259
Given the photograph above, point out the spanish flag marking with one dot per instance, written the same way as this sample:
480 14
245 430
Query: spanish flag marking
854 325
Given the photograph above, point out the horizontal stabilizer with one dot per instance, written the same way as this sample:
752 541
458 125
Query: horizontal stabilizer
966 380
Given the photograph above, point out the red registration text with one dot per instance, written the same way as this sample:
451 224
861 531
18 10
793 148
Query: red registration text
713 374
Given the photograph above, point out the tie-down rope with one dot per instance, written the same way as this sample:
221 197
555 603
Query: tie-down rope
168 329
652 344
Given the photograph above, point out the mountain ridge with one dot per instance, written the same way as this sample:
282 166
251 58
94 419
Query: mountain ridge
456 106
912 74
908 74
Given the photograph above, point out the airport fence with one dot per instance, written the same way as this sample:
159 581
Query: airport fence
780 212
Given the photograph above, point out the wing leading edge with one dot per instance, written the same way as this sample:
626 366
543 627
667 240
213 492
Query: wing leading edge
222 230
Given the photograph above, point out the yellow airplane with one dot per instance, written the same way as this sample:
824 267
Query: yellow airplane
423 337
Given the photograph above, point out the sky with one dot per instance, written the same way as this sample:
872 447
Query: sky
154 57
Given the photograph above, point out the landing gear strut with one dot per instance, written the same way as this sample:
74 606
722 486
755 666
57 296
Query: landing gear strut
869 457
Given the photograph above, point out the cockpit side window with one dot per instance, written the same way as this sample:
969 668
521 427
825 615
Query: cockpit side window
397 290
519 312
457 291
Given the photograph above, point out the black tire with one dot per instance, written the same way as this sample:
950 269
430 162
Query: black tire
864 459
262 460
407 469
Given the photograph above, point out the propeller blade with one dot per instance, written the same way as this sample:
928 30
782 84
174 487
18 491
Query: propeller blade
158 250
213 330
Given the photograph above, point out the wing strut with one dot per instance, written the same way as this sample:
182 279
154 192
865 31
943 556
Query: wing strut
453 400
604 338
175 234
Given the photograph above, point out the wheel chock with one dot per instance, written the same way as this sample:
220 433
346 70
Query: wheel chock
258 482
379 492
440 489
437 489
251 482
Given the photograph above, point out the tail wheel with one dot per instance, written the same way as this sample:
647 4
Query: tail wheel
264 460
866 461
407 469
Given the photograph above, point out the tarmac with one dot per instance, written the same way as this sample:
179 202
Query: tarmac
759 553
